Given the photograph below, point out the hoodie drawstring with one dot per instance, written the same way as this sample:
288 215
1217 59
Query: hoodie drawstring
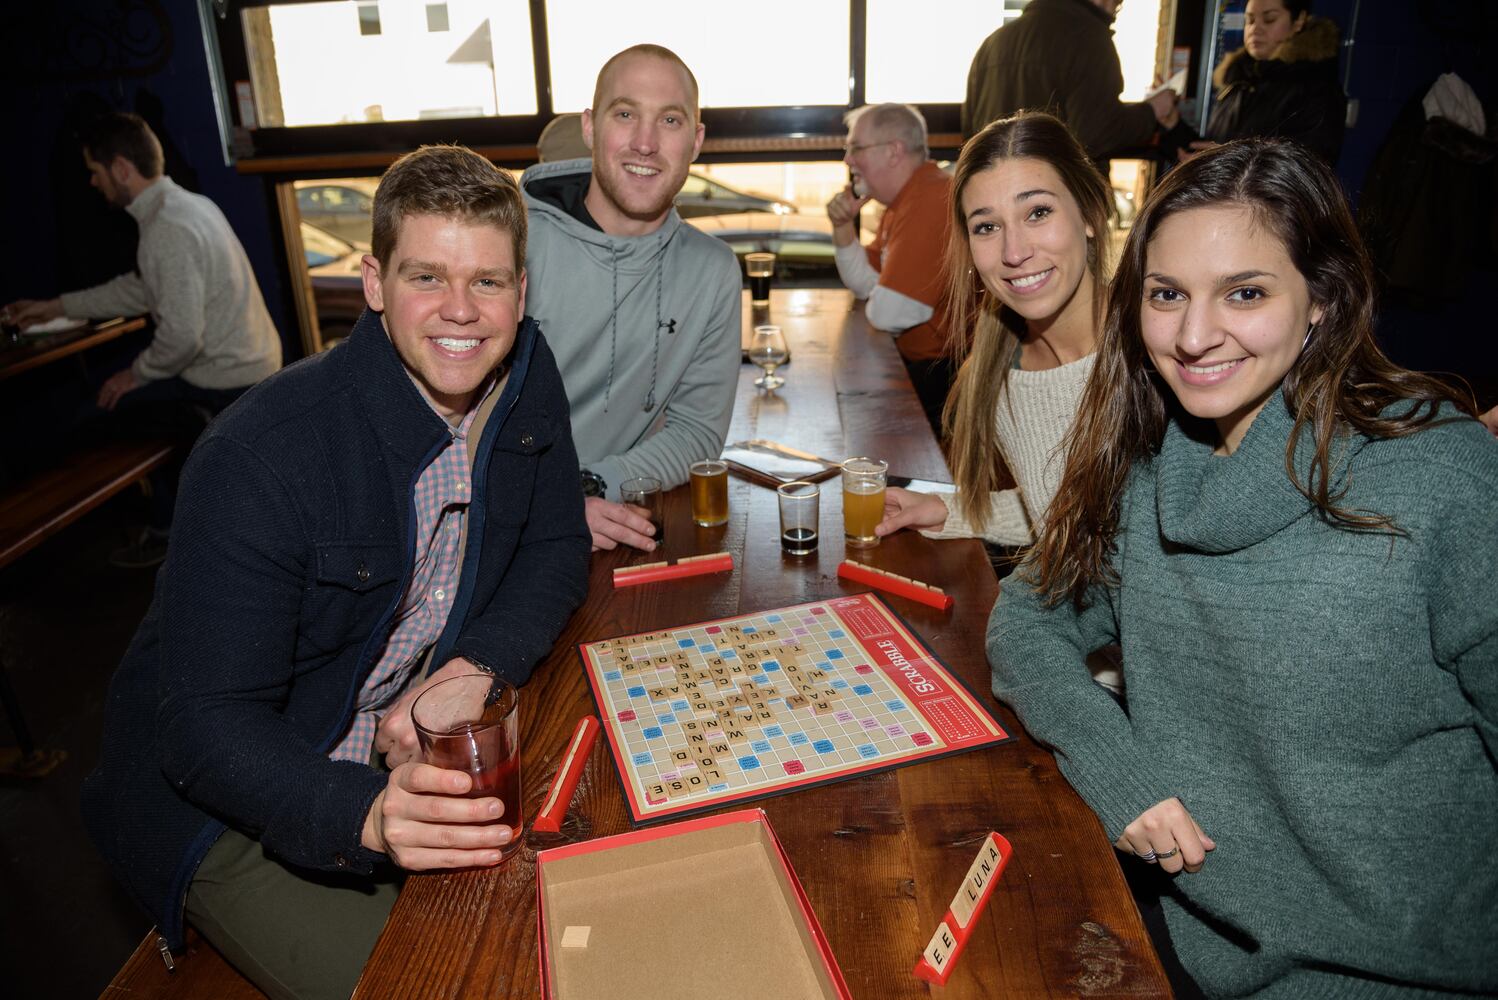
613 323
668 324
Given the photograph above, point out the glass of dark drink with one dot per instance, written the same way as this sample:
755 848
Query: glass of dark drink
800 509
470 723
645 493
760 267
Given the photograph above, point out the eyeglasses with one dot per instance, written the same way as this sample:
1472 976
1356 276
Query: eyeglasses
853 148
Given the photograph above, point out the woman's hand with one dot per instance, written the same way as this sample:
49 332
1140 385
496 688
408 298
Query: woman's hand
904 509
1166 833
1192 148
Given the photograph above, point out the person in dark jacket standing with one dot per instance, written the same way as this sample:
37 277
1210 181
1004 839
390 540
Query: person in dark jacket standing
395 511
1058 56
1282 83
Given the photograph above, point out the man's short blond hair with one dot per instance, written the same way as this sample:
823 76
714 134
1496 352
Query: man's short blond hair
654 52
894 123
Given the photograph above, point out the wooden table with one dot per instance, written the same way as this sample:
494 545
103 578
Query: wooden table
880 856
33 352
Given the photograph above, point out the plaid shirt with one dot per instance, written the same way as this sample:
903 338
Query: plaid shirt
441 498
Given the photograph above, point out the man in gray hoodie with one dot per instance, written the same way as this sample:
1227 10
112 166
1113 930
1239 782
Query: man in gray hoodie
642 312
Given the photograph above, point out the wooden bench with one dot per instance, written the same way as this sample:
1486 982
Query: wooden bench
50 501
199 972
39 508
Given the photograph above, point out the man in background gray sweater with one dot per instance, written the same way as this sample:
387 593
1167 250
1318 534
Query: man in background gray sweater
214 338
642 311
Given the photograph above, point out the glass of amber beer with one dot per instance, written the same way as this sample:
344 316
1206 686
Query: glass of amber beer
469 723
863 500
710 493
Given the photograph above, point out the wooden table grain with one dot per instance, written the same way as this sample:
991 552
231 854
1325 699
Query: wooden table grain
33 352
880 856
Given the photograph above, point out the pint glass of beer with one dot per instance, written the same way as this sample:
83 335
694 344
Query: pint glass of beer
710 493
469 723
863 500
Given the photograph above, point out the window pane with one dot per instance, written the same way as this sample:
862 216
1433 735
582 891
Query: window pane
919 53
398 60
1136 32
742 55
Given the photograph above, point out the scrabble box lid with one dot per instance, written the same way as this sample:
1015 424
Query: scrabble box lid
656 913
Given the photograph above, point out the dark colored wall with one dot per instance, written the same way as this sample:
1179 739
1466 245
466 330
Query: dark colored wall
147 56
1400 47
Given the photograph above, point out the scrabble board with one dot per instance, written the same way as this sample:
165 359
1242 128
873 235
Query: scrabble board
728 711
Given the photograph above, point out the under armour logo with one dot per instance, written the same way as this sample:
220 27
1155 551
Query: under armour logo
669 324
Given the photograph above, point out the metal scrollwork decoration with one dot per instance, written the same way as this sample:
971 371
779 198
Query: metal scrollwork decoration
76 41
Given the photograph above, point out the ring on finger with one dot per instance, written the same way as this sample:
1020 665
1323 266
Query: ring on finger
1168 854
1148 856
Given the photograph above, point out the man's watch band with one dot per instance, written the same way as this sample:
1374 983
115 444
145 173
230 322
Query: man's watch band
593 484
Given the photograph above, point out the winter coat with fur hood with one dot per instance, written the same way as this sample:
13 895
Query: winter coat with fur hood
1294 94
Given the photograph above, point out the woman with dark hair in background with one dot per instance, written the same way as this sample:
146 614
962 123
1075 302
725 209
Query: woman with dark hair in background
1294 541
1283 83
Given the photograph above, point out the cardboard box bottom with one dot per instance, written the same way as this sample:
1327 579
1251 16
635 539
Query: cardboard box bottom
669 915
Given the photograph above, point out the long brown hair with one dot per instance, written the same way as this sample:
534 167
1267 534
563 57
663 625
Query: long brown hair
968 418
1341 382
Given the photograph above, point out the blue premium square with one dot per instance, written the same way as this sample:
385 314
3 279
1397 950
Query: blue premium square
834 654
822 746
868 750
840 685
895 705
729 654
748 762
836 633
771 618
798 739
760 746
679 706
665 718
863 689
641 758
686 643
773 731
635 692
652 733
612 675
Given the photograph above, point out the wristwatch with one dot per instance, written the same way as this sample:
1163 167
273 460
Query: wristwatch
593 484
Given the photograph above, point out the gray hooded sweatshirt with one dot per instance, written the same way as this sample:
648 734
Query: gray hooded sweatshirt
645 330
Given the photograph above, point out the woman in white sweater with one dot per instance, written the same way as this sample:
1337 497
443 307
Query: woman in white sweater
1030 218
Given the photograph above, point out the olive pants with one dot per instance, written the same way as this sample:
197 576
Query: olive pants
295 934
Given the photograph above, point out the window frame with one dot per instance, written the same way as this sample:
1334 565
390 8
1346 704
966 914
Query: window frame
807 132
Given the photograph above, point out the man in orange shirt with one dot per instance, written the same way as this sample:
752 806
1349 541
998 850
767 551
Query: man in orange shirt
900 272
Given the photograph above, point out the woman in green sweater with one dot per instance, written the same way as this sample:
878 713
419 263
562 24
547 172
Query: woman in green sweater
1295 542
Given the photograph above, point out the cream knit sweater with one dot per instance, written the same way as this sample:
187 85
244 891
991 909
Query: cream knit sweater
1035 412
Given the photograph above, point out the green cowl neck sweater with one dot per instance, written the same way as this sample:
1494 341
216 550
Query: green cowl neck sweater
1325 703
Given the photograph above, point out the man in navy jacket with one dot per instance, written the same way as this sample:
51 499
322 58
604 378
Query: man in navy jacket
392 512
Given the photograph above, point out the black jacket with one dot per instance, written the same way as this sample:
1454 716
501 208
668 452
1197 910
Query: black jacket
291 547
1294 94
1057 56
